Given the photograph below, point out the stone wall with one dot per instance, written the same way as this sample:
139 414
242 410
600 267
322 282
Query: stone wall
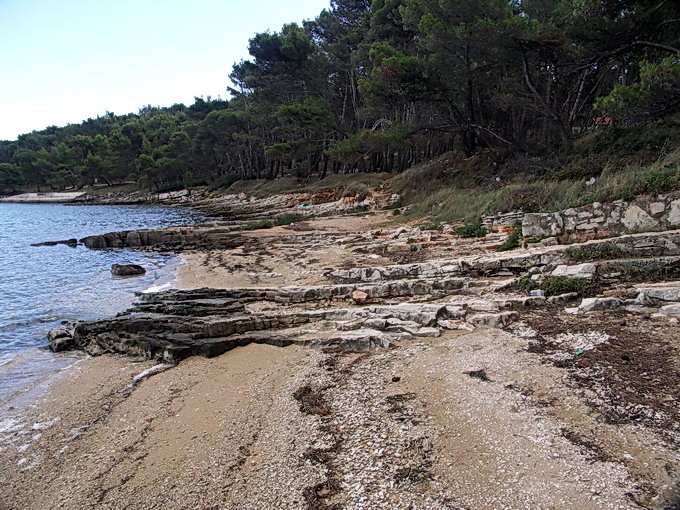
599 220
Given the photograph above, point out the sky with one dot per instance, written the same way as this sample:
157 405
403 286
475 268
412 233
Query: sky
64 61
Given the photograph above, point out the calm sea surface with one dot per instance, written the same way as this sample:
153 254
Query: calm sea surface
42 286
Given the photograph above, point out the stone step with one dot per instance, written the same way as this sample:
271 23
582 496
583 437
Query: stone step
434 287
172 337
633 246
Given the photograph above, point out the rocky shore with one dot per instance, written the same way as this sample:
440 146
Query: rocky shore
348 361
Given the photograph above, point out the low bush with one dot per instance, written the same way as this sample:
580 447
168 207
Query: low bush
604 251
258 225
513 239
288 218
223 182
555 285
357 189
474 229
431 226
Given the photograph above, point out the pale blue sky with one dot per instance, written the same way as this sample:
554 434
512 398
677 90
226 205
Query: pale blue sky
66 60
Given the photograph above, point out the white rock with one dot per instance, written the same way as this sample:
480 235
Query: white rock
585 271
595 304
663 292
656 208
671 310
635 218
428 332
674 213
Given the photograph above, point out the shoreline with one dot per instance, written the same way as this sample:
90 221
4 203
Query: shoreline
24 371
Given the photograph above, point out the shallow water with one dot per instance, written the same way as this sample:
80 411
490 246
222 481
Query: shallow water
42 286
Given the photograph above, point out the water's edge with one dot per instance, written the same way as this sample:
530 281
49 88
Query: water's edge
44 286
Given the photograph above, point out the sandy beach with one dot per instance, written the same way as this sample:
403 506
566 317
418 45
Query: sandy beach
465 420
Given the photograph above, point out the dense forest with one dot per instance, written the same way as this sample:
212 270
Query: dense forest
378 86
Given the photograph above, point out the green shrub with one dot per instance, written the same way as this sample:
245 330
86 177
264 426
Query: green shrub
659 181
526 284
288 218
474 229
556 285
169 188
358 210
431 226
604 251
513 239
223 182
357 189
258 225
397 204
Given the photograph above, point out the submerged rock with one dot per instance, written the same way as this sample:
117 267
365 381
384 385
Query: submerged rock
68 242
127 270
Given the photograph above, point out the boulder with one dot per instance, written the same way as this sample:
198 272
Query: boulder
494 320
635 218
657 208
359 296
127 270
595 304
674 213
584 271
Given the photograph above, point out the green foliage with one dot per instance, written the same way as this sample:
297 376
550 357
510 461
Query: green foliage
555 285
431 226
513 240
223 182
258 225
602 251
288 218
650 96
10 177
474 229
358 190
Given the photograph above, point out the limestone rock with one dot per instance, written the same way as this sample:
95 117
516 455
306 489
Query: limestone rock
428 332
635 218
596 304
584 271
494 320
662 292
674 213
453 324
657 208
671 310
563 298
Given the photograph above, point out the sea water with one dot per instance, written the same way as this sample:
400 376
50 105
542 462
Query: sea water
42 286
